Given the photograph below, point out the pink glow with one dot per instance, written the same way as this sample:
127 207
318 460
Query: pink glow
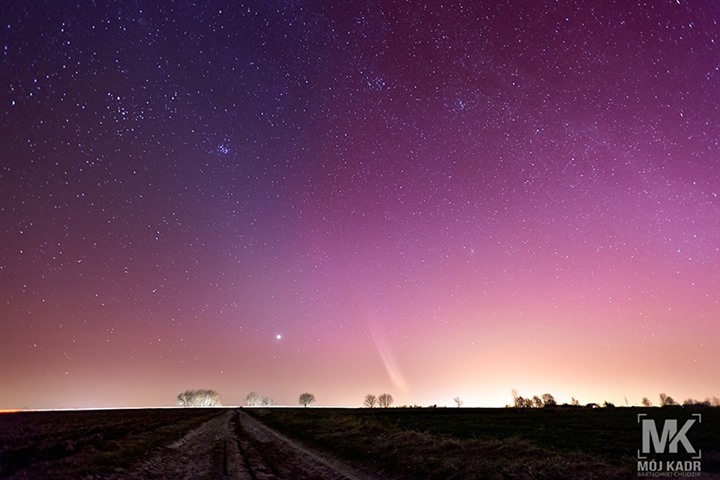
426 203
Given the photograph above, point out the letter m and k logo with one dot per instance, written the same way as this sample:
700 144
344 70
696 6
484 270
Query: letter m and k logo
668 438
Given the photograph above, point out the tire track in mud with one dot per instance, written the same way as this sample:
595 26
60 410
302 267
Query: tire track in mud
236 446
270 455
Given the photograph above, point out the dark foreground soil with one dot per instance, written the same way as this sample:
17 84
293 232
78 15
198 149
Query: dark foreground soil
333 444
504 443
178 444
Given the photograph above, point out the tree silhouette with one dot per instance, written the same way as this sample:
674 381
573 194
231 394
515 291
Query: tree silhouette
267 401
199 398
306 399
646 402
458 401
252 399
666 401
370 400
385 400
519 401
548 400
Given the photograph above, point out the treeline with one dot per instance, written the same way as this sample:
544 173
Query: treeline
199 398
211 398
382 401
254 399
547 400
668 401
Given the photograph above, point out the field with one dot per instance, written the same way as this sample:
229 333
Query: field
326 443
70 444
490 443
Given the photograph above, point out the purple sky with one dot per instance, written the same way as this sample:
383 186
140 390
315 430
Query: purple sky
450 200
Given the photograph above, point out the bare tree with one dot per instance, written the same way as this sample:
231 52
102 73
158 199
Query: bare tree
518 401
458 402
211 398
385 400
252 399
183 399
574 402
548 400
370 400
199 398
306 399
666 400
534 402
646 402
267 401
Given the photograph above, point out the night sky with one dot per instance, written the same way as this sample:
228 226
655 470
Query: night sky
428 199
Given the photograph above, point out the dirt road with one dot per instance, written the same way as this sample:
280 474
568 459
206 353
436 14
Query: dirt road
235 446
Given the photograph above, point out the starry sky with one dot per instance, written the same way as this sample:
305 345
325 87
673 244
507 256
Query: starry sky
429 199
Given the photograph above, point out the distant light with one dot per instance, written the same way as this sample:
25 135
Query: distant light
278 337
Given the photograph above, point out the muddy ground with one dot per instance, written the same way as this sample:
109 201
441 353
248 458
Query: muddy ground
227 445
235 446
329 444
